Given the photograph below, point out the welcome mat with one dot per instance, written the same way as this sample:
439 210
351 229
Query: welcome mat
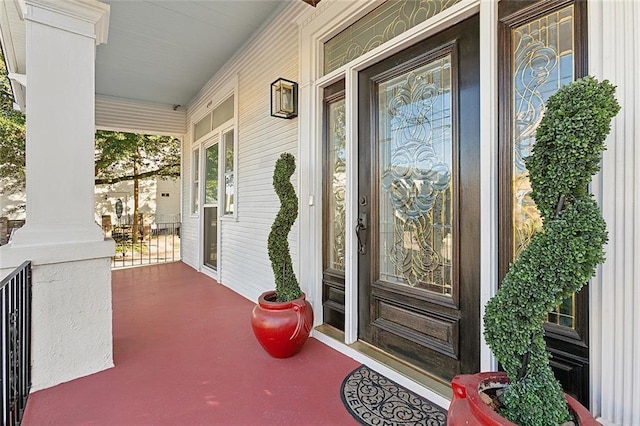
372 399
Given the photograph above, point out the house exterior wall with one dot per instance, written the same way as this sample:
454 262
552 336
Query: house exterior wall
261 140
155 207
613 53
167 200
190 230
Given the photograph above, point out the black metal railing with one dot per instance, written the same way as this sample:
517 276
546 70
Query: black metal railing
156 243
15 301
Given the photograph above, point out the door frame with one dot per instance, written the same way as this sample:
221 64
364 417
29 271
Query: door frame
458 311
216 136
312 34
213 139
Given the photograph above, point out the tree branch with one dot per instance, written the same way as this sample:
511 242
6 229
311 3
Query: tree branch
145 175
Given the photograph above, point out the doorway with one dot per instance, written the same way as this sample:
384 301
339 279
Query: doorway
210 205
419 203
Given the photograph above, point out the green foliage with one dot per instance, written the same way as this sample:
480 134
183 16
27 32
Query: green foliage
12 151
211 179
12 138
287 287
125 156
6 96
569 141
559 259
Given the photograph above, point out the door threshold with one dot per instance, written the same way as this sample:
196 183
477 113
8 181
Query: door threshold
422 378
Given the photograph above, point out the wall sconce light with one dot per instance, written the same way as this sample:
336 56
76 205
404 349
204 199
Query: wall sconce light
284 98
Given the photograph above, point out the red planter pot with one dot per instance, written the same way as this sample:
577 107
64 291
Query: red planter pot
282 328
468 409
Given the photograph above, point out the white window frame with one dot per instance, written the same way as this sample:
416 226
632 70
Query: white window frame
194 179
230 126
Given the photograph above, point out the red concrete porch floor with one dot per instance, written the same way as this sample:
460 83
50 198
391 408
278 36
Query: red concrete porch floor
185 355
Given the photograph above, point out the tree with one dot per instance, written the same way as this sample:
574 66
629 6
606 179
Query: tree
129 156
12 138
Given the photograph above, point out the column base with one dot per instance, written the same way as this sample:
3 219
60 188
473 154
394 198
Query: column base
71 333
71 307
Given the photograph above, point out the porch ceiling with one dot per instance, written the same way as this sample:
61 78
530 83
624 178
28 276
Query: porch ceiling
164 51
158 51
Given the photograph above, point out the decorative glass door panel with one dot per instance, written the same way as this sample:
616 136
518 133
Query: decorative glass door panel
415 187
418 216
338 179
211 207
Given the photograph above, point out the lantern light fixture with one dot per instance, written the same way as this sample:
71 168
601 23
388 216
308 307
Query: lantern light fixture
284 98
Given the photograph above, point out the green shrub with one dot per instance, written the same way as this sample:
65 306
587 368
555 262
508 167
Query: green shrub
287 287
562 257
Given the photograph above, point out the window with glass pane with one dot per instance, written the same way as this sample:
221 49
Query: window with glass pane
542 62
229 175
223 112
211 178
378 26
202 127
416 168
195 181
337 181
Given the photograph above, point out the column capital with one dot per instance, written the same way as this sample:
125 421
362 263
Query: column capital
89 18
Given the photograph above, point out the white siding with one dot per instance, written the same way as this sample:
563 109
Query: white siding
138 117
614 54
189 242
245 266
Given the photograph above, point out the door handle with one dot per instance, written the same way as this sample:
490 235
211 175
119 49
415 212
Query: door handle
361 226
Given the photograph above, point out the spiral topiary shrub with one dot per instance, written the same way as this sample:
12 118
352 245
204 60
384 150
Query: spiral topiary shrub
561 258
287 287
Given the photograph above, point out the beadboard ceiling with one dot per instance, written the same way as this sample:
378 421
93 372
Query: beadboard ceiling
164 51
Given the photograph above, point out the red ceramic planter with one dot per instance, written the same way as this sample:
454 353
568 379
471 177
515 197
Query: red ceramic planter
282 328
468 409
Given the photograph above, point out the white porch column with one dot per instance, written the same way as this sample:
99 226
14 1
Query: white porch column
614 54
71 334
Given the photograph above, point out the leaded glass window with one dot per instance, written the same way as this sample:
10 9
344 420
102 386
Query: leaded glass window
337 181
378 26
416 168
543 61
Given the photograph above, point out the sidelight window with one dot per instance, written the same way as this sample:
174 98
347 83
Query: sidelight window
542 59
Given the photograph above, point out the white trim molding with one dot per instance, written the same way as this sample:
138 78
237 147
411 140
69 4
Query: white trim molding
614 54
89 18
488 168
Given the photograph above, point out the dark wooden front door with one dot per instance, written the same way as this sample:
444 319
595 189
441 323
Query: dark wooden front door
418 219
